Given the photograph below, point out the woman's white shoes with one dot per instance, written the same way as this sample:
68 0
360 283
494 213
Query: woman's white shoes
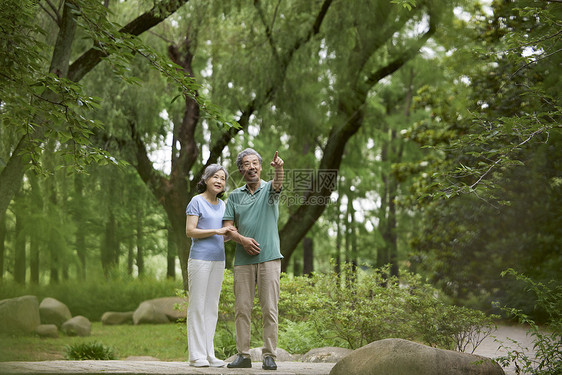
199 363
212 362
215 362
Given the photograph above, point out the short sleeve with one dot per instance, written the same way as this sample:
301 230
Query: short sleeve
229 210
193 208
274 195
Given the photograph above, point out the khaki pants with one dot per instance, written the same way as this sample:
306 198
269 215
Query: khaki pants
266 276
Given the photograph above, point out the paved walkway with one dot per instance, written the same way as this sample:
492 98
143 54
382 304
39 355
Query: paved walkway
153 367
488 348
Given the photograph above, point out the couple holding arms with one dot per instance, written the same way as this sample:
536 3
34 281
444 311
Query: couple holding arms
250 219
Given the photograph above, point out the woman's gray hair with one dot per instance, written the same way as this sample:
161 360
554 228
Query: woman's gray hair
243 154
208 173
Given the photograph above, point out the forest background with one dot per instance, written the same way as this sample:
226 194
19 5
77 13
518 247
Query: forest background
423 135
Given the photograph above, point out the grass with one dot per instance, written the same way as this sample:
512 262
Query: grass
166 342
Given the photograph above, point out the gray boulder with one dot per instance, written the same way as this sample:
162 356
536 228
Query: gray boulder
53 311
148 313
47 330
19 315
77 326
159 310
329 354
398 357
111 318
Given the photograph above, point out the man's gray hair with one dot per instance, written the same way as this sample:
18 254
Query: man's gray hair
208 173
243 154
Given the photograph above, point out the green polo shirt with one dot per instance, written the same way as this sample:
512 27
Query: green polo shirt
255 216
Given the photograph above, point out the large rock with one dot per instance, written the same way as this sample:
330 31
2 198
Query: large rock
77 326
329 354
159 310
47 330
399 357
19 315
111 318
53 311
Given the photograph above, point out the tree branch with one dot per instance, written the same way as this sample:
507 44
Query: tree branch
89 59
55 16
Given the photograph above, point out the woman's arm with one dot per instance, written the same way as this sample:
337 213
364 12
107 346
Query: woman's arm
192 231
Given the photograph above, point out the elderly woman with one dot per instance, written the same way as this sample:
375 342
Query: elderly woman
205 265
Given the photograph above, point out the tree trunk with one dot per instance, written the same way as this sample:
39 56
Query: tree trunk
297 269
79 217
20 261
383 256
171 256
130 256
308 256
35 240
109 245
2 243
140 246
337 266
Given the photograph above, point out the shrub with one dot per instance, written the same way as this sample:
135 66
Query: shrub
371 306
351 309
89 351
547 342
225 342
300 337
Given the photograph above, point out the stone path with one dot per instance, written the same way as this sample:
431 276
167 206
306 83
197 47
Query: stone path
488 348
152 367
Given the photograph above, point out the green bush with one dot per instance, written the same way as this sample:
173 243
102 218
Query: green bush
370 306
352 309
547 342
89 351
300 337
225 342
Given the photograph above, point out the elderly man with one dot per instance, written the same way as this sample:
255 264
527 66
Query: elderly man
254 210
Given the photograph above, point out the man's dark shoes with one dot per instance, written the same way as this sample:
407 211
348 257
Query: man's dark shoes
269 363
240 362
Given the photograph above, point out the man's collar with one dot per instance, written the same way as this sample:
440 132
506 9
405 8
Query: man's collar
262 184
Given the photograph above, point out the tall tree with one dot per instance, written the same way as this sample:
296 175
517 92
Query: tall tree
489 189
23 75
357 70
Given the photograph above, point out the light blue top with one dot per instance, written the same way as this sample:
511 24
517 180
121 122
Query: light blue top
210 217
255 216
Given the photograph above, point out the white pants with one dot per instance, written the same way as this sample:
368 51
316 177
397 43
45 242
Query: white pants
204 283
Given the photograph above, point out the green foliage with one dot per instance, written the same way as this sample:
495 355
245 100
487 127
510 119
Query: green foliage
375 305
302 336
487 190
547 340
39 104
122 47
349 310
225 343
89 351
409 4
164 343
